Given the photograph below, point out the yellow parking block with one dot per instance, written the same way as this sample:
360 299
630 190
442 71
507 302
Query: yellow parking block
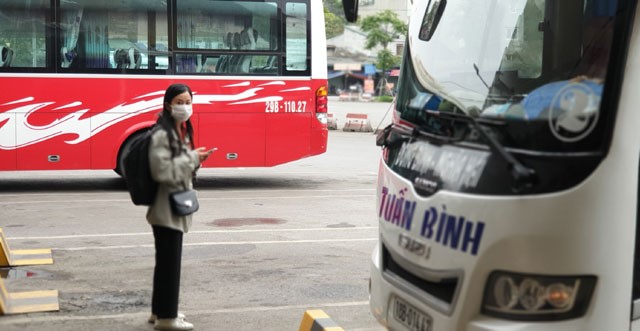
318 320
27 302
21 257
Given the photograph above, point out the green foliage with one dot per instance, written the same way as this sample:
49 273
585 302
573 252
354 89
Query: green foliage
386 60
334 7
334 25
382 28
384 98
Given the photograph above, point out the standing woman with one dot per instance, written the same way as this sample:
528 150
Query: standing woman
173 161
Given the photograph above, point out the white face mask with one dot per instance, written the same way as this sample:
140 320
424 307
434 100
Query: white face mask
181 113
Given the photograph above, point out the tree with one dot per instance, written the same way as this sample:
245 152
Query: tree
333 18
334 25
334 6
382 29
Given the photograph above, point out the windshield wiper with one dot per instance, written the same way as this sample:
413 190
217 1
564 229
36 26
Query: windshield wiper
497 78
523 176
475 66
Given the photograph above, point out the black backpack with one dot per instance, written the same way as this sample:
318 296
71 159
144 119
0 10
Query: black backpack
137 172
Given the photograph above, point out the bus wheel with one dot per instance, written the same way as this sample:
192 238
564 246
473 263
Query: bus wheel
124 149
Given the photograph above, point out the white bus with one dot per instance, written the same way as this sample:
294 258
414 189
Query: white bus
507 195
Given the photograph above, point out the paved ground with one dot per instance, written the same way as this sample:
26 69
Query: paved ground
379 113
266 245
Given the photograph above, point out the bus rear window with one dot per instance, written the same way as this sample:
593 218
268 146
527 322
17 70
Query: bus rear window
296 34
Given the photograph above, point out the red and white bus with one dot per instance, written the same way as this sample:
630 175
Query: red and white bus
81 78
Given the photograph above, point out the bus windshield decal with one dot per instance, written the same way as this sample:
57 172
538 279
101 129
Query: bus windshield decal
458 169
575 111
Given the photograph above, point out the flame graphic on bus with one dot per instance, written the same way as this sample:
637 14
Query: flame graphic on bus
16 131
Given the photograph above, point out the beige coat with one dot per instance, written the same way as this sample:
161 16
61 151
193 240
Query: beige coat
172 174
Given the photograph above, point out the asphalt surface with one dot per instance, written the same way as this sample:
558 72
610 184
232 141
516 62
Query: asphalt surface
266 245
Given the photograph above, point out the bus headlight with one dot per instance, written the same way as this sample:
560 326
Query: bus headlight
525 297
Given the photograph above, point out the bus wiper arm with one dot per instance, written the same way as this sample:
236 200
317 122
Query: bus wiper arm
497 78
475 66
523 176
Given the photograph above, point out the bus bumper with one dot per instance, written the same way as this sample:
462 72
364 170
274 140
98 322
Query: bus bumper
383 295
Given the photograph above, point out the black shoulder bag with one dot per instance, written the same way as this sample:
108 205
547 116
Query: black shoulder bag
184 202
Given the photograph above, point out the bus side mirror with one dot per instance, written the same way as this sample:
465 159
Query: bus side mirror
350 10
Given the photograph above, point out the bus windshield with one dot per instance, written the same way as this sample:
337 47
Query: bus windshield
537 65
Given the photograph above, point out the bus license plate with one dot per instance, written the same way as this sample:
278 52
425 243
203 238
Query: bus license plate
410 317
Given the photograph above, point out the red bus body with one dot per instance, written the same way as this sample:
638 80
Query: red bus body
52 122
81 78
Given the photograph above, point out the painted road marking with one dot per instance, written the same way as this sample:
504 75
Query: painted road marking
350 196
128 234
22 195
221 243
139 315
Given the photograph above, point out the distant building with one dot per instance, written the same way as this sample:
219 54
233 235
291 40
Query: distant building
372 7
350 64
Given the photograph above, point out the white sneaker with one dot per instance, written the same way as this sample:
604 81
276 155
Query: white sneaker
173 324
152 319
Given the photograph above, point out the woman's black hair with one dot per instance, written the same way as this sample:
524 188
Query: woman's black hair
167 122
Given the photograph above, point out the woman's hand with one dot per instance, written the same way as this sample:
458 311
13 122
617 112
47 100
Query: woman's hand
204 154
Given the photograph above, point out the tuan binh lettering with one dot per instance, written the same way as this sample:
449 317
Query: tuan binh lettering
452 231
395 209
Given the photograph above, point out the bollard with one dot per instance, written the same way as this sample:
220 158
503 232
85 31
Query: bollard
27 302
332 122
21 257
357 123
318 320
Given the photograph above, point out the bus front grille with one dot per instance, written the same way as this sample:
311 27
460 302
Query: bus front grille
440 294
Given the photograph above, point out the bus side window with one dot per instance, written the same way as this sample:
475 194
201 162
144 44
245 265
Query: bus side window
127 58
6 56
223 64
85 39
297 44
239 37
112 37
23 34
186 63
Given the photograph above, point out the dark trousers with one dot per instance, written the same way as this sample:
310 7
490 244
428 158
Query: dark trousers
166 275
